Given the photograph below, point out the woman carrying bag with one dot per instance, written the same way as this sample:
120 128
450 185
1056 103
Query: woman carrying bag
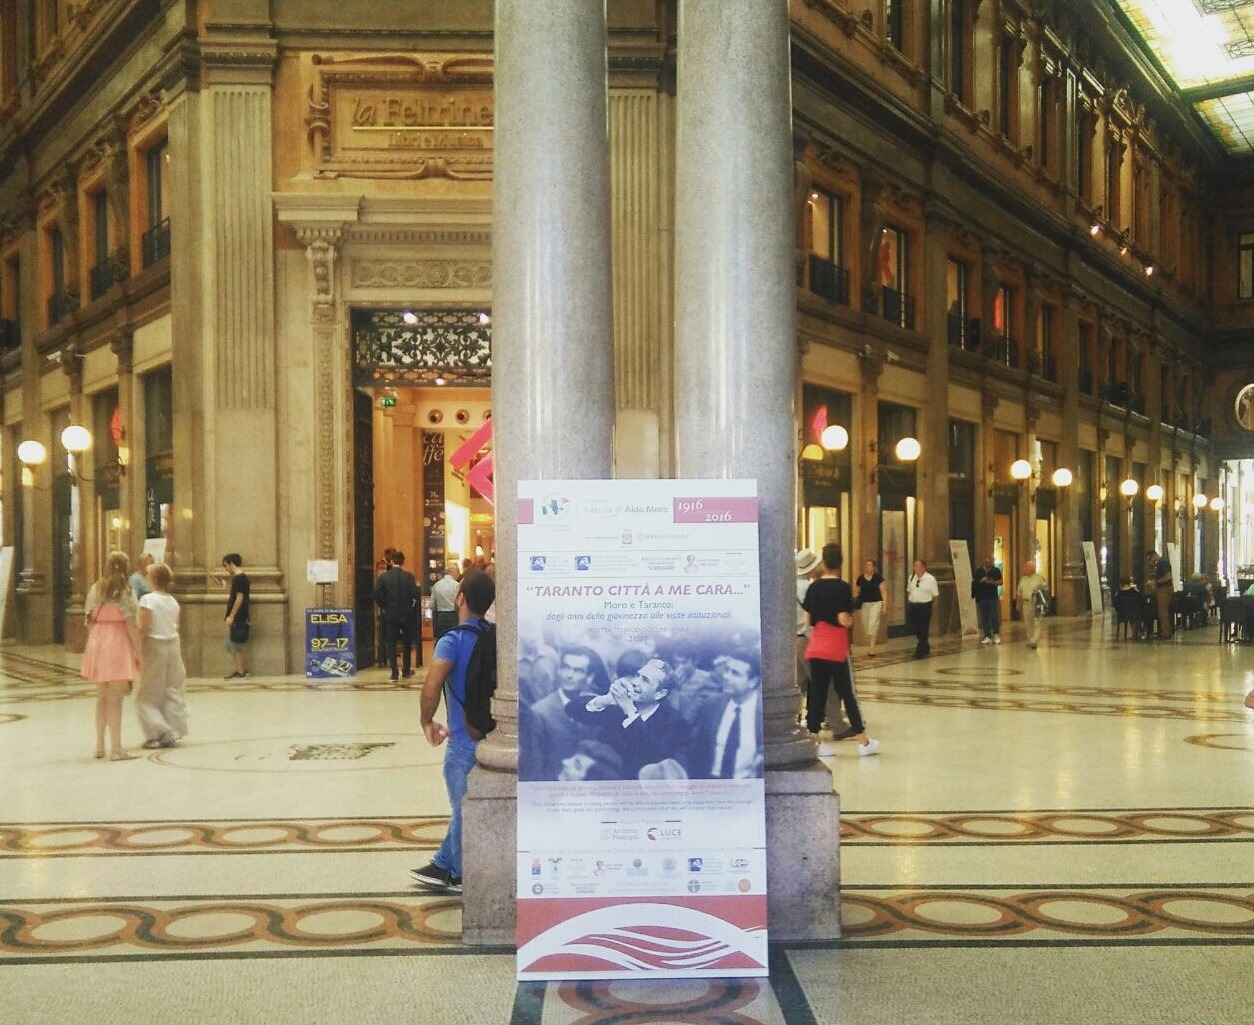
110 658
829 607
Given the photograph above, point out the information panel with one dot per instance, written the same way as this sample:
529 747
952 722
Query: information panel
330 652
641 813
960 557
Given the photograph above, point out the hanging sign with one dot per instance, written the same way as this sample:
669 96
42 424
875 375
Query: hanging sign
641 811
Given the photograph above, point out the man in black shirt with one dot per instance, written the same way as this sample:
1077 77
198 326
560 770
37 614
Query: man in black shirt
238 615
397 595
1164 586
985 587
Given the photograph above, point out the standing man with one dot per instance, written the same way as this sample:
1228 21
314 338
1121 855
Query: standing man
396 594
986 590
1029 584
238 615
728 742
444 603
553 735
921 591
1164 587
448 669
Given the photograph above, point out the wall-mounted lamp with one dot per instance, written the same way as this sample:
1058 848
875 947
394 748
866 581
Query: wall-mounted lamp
1217 504
834 438
1095 229
1020 469
1128 488
1149 270
1154 492
76 439
812 453
31 454
1200 501
908 450
1062 477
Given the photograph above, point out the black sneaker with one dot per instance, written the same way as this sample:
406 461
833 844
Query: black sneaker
437 878
237 675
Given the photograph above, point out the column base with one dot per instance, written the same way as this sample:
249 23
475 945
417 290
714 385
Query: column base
75 628
802 852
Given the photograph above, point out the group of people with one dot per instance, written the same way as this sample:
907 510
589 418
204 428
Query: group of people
1156 605
660 714
1031 599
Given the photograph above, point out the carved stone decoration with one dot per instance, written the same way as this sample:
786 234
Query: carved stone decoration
451 346
147 108
410 274
72 365
123 347
321 253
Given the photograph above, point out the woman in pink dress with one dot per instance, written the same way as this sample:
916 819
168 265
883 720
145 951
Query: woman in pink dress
110 658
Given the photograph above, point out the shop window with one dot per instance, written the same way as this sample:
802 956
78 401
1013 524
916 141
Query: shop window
1245 266
962 482
156 240
159 446
894 267
826 466
828 276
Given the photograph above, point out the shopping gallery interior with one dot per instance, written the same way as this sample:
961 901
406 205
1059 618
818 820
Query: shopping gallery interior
962 281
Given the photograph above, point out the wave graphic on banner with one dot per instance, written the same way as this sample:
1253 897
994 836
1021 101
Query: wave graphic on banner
613 938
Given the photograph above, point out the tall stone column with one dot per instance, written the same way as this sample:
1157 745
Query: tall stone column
130 483
933 464
736 373
81 574
553 359
1071 595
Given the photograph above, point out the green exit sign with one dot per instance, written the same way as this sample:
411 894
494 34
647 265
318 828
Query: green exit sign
388 401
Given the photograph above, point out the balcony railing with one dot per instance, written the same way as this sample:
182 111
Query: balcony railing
113 269
829 280
10 335
964 334
60 306
157 243
1004 351
1085 380
898 308
1042 366
1117 393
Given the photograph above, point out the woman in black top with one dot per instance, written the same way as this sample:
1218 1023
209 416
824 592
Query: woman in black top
868 589
829 607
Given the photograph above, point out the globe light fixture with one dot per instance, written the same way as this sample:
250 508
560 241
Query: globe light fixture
1129 488
812 453
1154 492
31 453
1020 469
1217 504
1062 477
834 438
908 450
1200 500
76 439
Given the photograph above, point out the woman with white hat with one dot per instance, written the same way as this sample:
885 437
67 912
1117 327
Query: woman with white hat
809 567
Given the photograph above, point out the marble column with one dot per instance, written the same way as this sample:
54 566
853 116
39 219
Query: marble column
736 373
553 360
933 464
1072 595
81 575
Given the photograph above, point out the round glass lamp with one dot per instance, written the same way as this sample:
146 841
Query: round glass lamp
1217 504
812 453
1154 492
1200 500
31 453
1020 469
834 438
1129 488
76 439
908 450
1062 477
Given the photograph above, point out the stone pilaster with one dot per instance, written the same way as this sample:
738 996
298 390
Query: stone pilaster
1071 594
553 356
81 573
933 464
735 311
131 481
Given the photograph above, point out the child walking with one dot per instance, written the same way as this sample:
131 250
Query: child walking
110 657
162 711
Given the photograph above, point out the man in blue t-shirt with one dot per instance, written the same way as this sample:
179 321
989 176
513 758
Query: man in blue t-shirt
448 669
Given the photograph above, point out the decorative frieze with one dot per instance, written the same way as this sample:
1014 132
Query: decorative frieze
432 273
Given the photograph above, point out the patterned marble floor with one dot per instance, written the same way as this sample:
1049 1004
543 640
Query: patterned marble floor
1051 836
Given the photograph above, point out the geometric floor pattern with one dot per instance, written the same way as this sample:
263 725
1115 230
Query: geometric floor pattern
1051 836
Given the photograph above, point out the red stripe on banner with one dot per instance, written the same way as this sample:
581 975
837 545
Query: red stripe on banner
536 916
526 510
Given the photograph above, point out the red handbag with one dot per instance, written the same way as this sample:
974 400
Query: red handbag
828 642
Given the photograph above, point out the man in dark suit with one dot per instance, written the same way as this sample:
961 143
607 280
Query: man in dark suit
397 595
548 736
728 742
636 720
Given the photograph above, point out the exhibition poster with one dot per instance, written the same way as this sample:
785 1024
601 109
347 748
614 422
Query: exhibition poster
330 650
641 813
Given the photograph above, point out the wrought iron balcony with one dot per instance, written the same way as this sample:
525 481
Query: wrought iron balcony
1004 351
60 306
157 243
898 308
1117 393
963 333
829 280
1085 380
114 269
1042 366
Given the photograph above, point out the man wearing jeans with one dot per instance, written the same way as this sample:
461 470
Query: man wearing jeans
448 669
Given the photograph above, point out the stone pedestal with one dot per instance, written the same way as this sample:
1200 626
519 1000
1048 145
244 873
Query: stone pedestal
489 858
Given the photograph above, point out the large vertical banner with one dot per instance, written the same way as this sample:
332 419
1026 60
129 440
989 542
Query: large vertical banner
1094 577
960 557
641 811
1177 566
432 508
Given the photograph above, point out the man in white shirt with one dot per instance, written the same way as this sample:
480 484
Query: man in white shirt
921 591
443 603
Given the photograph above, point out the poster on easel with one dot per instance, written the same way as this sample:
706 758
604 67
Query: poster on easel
960 557
641 807
1177 566
1093 575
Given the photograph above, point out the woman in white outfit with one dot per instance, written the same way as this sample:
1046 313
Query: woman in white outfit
162 712
868 589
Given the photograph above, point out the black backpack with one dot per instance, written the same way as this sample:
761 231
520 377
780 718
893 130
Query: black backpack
480 683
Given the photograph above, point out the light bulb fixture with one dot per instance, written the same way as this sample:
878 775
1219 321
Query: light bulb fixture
1154 492
485 318
1149 270
834 438
439 379
1128 488
1123 250
1062 477
76 439
1020 469
1217 504
1200 500
409 317
1095 229
908 450
31 453
812 453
